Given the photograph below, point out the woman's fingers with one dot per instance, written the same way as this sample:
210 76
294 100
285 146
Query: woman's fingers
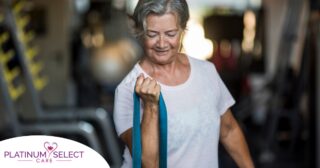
139 82
140 79
145 85
149 85
147 88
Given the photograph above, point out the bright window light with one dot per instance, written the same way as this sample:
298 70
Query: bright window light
195 44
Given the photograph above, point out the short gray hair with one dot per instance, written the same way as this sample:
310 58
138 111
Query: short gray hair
159 7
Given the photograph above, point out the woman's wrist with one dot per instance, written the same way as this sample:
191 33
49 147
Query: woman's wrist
151 106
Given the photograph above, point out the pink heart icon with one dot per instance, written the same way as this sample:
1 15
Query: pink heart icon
50 147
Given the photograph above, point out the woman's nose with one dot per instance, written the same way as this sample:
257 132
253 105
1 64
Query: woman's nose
161 42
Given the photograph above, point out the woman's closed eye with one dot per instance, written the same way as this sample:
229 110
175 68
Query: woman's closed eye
151 34
172 33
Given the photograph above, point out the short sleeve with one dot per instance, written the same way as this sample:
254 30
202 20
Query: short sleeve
123 109
225 99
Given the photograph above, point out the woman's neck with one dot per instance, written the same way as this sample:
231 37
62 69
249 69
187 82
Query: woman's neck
173 73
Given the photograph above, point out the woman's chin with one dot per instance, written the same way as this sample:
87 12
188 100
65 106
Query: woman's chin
163 59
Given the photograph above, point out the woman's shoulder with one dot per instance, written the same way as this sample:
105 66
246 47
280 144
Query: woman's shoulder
129 80
202 64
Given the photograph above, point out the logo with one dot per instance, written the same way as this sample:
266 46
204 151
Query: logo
50 147
47 151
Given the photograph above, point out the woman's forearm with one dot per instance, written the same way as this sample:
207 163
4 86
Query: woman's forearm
237 147
150 136
233 140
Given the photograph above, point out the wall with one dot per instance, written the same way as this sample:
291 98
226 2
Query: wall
275 12
54 50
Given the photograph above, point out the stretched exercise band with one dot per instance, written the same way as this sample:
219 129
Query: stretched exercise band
136 136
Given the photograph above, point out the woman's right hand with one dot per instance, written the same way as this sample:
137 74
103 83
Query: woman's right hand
148 89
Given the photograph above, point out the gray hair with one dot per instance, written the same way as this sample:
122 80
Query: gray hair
159 7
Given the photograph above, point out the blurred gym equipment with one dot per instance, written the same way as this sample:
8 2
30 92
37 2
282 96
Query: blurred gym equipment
23 111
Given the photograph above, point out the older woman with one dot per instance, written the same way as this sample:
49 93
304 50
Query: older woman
197 100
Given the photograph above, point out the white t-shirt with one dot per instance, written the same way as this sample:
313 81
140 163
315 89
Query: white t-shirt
194 109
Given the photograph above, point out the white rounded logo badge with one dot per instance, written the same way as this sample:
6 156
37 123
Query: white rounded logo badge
47 152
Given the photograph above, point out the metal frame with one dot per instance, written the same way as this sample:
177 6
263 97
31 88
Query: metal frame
276 110
85 129
318 98
10 115
10 120
100 119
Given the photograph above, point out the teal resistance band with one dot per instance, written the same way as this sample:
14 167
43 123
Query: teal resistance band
136 136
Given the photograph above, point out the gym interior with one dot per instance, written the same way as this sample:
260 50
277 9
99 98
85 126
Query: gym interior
61 60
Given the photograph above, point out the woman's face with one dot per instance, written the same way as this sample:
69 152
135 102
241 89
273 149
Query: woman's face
162 38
